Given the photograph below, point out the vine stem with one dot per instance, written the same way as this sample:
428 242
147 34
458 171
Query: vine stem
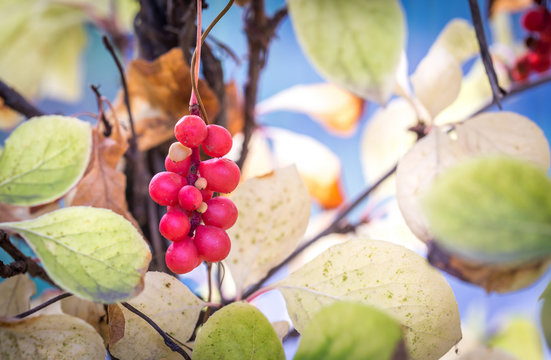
167 339
17 102
328 230
259 292
43 305
196 65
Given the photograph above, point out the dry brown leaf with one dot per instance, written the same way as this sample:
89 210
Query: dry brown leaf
91 312
509 5
103 185
333 107
13 213
116 323
234 108
500 279
159 96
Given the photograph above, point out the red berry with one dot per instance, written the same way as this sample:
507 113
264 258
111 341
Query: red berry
180 167
222 174
190 197
212 243
174 225
221 212
542 47
181 257
190 131
534 20
206 194
164 188
218 141
539 63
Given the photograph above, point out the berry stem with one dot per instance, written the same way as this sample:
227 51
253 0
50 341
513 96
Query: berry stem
197 55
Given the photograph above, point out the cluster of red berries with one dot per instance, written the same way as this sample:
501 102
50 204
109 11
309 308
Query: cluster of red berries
196 221
538 57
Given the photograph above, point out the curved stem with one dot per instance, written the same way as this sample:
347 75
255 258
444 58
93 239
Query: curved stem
43 305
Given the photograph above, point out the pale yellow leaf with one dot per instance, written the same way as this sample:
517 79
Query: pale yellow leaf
259 160
273 214
475 93
317 165
281 328
384 275
385 139
91 312
171 305
486 134
459 39
16 294
486 353
437 80
60 337
333 107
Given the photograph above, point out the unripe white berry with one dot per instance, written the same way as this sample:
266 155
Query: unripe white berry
178 152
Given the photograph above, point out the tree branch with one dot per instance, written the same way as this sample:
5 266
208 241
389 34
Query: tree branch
17 102
497 92
167 339
260 30
31 266
43 305
333 227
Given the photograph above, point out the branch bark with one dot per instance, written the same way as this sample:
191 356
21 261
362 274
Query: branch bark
260 30
17 102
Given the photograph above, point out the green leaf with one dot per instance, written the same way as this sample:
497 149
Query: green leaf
237 331
90 252
520 338
60 337
43 158
386 276
171 305
352 331
493 210
274 210
355 43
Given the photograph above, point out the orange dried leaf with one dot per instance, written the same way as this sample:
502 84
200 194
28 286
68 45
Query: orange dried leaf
103 185
509 5
8 117
159 94
335 108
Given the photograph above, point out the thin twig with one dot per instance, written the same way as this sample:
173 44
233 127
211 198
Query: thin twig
260 30
328 230
167 339
17 102
133 142
32 267
43 305
103 118
497 92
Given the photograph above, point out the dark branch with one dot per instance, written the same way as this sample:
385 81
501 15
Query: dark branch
167 339
13 268
132 145
31 266
333 227
17 102
43 305
260 30
497 92
102 117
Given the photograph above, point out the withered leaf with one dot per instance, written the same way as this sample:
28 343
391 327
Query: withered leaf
103 185
493 278
159 94
496 6
234 108
116 323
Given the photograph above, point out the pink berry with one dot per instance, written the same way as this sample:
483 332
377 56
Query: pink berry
164 188
221 212
222 174
534 20
190 197
180 167
212 243
218 141
181 257
190 131
206 194
174 225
